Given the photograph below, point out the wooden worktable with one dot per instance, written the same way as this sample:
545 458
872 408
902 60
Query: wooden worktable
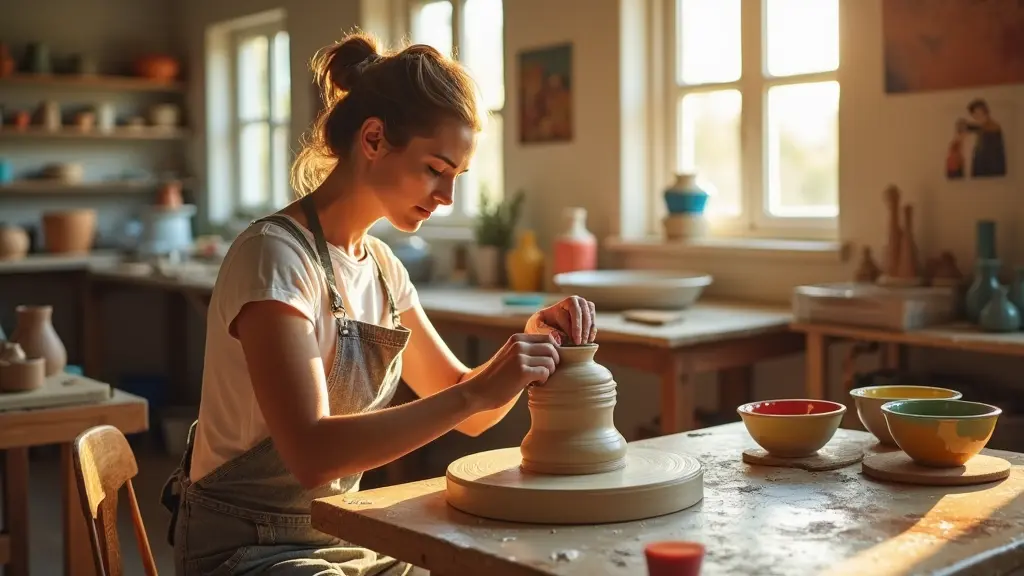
22 429
753 520
957 336
714 336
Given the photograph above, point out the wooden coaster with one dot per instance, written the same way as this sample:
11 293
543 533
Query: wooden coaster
653 482
828 458
898 467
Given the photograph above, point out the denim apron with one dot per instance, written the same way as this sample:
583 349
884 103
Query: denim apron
250 515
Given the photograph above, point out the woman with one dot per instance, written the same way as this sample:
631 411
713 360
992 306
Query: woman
312 322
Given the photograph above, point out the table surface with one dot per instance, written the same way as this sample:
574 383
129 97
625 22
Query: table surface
954 336
42 426
753 520
707 321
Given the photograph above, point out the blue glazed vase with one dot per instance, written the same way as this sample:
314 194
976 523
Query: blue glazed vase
1000 315
986 282
1017 290
684 196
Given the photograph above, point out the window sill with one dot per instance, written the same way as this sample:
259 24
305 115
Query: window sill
808 251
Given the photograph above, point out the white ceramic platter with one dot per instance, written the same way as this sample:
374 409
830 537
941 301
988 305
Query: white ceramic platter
639 289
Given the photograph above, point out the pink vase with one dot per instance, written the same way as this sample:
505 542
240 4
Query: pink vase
37 337
576 248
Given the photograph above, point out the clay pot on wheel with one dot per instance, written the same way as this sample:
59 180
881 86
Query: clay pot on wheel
37 337
70 231
572 427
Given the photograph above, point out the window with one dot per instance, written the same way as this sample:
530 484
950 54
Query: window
471 31
249 116
755 104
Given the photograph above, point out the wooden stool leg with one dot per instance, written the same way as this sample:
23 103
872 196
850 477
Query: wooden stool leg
78 560
16 511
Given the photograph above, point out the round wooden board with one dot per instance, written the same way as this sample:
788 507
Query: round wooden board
653 482
898 467
828 458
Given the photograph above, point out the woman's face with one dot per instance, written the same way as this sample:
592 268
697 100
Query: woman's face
412 182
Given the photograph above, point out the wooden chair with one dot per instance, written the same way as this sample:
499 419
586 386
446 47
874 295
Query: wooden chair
103 463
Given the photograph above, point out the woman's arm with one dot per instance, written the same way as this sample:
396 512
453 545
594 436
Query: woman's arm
429 367
288 379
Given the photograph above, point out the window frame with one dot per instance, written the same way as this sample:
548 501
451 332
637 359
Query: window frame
754 220
237 124
460 215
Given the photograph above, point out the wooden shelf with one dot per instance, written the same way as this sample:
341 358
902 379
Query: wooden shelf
120 133
43 186
91 82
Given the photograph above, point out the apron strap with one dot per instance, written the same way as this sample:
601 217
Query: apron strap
313 221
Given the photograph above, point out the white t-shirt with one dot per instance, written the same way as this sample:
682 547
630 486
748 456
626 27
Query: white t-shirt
266 262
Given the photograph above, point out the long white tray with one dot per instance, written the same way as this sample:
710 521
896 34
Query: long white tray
59 390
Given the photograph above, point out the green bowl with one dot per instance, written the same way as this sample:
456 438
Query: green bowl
940 433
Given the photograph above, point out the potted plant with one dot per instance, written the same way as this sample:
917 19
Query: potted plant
495 223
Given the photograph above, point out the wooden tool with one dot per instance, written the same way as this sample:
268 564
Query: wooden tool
828 458
573 466
898 467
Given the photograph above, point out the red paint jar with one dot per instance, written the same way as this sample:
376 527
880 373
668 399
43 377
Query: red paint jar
674 558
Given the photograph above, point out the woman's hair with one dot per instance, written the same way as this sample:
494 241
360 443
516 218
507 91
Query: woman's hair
411 91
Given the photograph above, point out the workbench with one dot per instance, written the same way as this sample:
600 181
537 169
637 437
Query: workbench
752 520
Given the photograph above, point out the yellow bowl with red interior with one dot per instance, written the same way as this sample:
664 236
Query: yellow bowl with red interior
792 428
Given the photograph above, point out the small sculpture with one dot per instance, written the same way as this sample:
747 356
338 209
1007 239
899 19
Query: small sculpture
868 270
901 267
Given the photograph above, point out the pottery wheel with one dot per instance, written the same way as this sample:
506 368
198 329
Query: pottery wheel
898 467
654 482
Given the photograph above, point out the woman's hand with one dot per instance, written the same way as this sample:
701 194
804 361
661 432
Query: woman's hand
573 317
524 359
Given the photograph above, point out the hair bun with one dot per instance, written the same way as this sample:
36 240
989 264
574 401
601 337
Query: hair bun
338 69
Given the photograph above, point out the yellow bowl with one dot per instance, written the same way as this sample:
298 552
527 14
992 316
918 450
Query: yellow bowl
869 402
792 428
941 433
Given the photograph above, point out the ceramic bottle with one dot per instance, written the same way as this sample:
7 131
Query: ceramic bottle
524 264
575 248
1000 315
35 332
572 430
985 284
1017 289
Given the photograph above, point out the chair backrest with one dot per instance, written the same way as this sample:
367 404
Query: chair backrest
104 462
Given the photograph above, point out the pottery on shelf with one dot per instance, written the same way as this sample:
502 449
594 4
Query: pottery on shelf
524 264
69 231
159 67
572 429
1017 289
985 284
576 247
985 240
488 265
14 242
6 60
684 196
37 337
1000 315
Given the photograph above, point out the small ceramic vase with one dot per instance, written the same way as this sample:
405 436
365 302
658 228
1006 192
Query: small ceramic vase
38 338
1017 289
986 282
22 375
1000 315
525 264
572 429
684 196
14 242
576 247
487 266
985 240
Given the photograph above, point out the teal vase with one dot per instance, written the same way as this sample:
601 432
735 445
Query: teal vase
1000 315
1017 290
986 282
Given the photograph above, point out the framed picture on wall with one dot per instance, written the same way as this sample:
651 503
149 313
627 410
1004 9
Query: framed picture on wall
545 94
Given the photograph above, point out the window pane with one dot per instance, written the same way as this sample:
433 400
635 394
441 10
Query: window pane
282 78
253 78
254 165
481 49
803 150
803 36
709 41
709 145
486 174
282 161
432 25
